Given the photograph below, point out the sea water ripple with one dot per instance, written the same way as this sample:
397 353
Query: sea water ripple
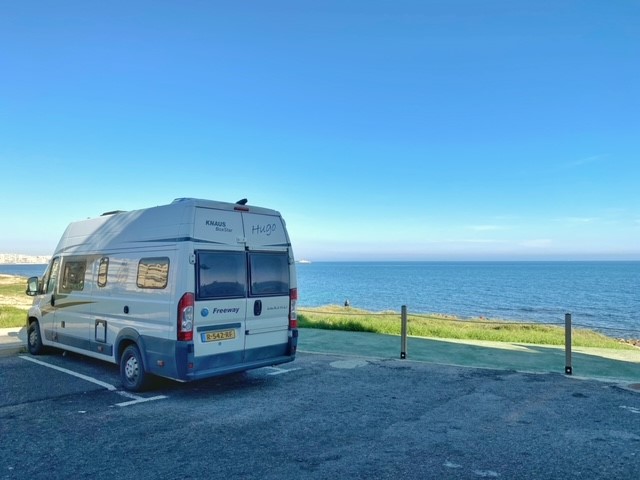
599 295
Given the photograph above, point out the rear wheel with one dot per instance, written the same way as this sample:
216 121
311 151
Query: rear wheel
132 372
34 339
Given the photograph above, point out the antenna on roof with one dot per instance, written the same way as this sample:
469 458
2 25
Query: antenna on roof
242 202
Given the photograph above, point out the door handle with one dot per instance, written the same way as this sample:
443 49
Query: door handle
257 308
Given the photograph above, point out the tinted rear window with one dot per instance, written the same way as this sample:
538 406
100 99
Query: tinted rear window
222 275
269 274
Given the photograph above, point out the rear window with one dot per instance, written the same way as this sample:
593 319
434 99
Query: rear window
221 275
269 274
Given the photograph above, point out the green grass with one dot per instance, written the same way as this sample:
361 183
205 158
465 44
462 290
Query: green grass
441 326
14 289
12 317
13 301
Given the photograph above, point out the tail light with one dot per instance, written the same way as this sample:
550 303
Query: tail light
185 317
293 315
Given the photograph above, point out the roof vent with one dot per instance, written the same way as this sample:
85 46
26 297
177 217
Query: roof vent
242 202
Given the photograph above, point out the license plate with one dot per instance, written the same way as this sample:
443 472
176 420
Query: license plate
219 335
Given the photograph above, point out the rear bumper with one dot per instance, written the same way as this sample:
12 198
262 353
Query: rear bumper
240 367
176 360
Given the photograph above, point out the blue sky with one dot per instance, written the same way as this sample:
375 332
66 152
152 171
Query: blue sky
382 130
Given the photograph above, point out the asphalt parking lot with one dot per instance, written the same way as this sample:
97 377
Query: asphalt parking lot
322 416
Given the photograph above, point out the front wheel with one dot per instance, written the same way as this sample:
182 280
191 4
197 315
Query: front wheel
34 339
132 372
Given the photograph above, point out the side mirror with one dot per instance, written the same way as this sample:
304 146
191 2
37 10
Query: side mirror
32 286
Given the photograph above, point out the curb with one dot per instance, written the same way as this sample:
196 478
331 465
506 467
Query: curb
12 341
13 349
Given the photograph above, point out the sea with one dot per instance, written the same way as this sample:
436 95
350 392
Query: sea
604 296
23 269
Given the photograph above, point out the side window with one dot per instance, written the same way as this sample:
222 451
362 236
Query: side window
221 275
73 271
51 278
153 272
269 274
103 270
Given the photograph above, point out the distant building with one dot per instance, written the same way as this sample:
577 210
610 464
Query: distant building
15 258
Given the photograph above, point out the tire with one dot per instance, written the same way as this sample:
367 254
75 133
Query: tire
132 373
34 339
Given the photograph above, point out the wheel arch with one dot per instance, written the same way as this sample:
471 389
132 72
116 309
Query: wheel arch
129 336
32 317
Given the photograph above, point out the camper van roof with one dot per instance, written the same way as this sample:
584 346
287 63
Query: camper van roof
166 224
240 205
191 199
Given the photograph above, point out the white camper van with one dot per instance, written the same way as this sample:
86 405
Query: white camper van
189 290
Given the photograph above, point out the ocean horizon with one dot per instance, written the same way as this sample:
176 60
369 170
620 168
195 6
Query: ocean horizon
602 295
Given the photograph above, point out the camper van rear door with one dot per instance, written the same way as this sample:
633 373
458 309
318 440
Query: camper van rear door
221 304
267 325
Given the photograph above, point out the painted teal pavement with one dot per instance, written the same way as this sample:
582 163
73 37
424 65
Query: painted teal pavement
606 364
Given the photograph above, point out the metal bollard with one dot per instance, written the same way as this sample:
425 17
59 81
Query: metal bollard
403 332
568 369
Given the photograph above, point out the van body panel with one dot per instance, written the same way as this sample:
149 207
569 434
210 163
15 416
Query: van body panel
219 326
271 326
119 279
264 230
218 226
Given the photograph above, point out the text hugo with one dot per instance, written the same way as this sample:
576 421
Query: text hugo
267 229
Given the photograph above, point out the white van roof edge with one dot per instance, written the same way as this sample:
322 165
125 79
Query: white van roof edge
241 205
120 229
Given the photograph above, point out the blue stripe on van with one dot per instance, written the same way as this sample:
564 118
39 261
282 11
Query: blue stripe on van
199 240
166 240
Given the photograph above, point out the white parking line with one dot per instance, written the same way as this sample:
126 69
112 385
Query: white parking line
280 371
134 398
108 386
631 409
